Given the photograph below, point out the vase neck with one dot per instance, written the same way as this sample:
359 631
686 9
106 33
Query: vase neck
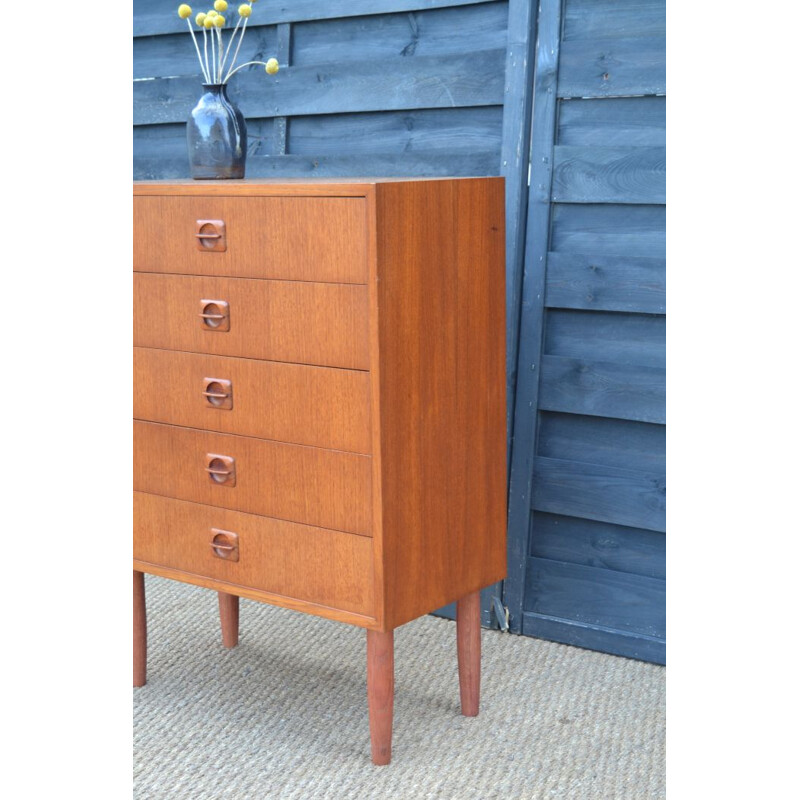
216 88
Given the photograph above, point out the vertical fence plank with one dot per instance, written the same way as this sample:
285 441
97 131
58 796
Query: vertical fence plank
284 56
532 305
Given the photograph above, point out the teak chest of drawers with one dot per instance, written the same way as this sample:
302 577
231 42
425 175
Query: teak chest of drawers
319 404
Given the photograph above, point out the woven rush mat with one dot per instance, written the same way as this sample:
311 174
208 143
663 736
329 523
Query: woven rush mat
284 714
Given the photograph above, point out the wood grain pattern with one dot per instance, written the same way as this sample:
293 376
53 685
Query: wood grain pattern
139 631
229 618
325 567
468 636
327 488
305 323
291 238
380 694
317 406
440 267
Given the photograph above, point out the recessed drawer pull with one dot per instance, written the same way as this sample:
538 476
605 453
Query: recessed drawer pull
208 235
212 316
215 315
225 544
221 469
218 546
218 393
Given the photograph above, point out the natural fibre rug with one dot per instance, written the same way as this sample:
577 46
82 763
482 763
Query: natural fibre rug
284 714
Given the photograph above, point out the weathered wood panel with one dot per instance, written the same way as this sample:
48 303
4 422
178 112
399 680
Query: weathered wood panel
607 336
607 283
609 175
420 82
593 491
603 388
599 440
612 19
598 544
595 596
613 122
156 16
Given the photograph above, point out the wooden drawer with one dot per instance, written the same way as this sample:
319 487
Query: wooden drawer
318 406
320 566
303 322
291 238
328 488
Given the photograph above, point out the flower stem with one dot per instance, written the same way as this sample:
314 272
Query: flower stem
205 50
197 47
231 70
246 64
214 57
230 41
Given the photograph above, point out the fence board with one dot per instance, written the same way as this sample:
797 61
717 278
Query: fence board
337 166
419 82
592 491
611 19
607 336
598 544
595 596
613 67
613 121
602 388
595 637
598 440
607 283
609 229
156 16
609 175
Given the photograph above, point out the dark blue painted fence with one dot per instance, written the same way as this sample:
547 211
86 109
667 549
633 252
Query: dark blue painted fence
444 87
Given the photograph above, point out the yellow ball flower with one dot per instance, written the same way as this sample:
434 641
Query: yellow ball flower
245 10
211 13
221 5
184 11
199 19
219 20
272 66
208 22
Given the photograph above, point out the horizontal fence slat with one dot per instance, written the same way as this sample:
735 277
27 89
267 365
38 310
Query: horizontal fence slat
597 229
611 19
607 283
598 544
593 637
448 130
607 336
312 167
419 82
603 388
612 67
613 121
595 596
609 174
600 440
156 16
593 491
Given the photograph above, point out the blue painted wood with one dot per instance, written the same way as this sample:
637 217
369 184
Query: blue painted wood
613 19
420 82
607 336
609 230
445 130
336 166
593 491
156 16
598 544
610 175
613 122
594 637
608 283
603 388
418 33
613 67
532 305
515 159
599 440
602 597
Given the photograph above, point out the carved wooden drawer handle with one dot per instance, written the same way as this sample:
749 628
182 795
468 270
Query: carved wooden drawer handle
215 315
221 469
210 235
225 544
218 393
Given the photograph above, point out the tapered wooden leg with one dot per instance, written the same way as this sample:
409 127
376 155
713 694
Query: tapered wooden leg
229 618
380 693
139 631
468 634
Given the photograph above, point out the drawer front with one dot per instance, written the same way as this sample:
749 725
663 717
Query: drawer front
290 238
318 406
299 561
327 488
299 321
